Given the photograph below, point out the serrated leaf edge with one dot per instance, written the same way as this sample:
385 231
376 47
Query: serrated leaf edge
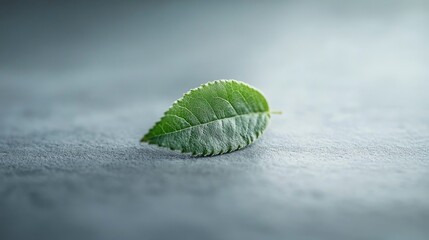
252 139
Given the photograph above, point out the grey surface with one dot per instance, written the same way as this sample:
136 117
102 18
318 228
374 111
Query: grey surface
80 83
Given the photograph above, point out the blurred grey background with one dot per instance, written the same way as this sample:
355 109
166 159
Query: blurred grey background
82 81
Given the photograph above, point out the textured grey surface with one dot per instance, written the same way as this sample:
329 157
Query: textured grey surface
348 159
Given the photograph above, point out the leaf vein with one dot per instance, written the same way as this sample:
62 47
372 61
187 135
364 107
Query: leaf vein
189 111
228 103
191 127
168 114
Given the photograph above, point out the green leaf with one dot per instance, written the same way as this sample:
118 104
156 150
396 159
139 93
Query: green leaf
218 117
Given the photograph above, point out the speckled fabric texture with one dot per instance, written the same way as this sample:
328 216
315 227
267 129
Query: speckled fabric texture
348 159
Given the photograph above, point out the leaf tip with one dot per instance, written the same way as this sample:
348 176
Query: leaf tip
145 138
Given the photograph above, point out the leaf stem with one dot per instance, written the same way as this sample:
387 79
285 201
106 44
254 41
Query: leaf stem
276 112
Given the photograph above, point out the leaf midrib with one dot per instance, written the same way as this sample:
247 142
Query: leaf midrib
201 124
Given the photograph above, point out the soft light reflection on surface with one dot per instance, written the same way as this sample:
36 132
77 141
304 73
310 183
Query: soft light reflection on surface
80 82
